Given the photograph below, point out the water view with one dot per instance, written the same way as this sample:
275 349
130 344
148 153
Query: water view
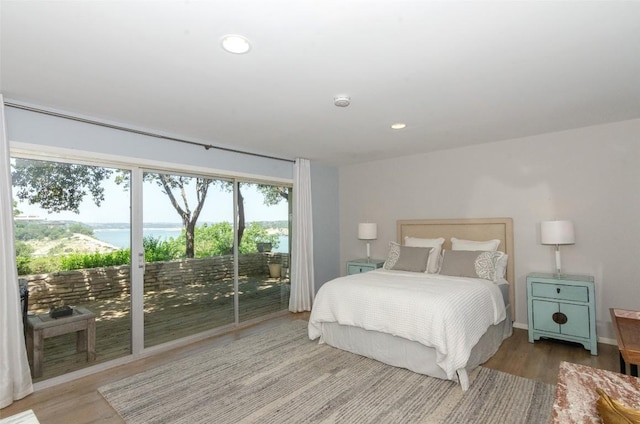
120 237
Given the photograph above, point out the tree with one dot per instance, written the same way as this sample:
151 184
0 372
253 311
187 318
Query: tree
16 211
181 204
273 194
58 186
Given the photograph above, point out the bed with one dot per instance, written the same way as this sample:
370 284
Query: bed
437 325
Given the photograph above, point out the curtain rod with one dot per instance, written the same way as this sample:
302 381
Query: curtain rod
131 130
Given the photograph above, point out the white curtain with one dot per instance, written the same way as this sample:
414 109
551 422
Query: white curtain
15 376
302 287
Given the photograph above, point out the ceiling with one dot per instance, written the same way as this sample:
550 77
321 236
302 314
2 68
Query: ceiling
457 73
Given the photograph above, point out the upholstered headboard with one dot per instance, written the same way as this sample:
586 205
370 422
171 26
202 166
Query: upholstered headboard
478 229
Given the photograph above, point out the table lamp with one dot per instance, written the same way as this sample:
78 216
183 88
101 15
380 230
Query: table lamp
557 233
368 231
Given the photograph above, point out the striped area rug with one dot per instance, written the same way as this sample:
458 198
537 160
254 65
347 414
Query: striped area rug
280 376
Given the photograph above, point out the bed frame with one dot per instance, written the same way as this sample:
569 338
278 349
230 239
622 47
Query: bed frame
478 229
413 355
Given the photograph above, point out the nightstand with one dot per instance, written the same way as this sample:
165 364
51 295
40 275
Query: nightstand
562 307
358 266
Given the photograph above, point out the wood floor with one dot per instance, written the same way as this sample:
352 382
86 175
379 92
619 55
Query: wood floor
79 401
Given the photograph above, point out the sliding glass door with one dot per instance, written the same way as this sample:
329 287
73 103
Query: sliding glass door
188 244
209 252
72 238
263 234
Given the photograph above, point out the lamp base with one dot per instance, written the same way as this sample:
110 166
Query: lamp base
558 261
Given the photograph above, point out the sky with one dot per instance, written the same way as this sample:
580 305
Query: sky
157 207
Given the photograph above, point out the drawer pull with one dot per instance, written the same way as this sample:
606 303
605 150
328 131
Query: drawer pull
558 290
559 317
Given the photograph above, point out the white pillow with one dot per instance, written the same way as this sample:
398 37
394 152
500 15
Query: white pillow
433 263
487 246
501 267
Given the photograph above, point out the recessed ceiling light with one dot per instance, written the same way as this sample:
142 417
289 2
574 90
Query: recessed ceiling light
398 126
236 44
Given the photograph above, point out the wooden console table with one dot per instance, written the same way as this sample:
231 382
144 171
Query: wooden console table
626 325
40 327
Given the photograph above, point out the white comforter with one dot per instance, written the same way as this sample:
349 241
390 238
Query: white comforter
449 314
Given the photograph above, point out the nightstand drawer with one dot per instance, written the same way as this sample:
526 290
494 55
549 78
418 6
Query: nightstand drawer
359 266
357 269
560 292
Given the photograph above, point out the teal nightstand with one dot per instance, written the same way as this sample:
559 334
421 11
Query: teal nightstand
562 307
358 266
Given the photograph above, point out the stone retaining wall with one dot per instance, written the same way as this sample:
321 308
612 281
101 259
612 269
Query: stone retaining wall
85 285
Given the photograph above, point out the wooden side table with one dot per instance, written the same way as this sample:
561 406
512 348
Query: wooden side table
40 327
626 325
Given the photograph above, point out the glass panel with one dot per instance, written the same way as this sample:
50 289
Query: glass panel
188 241
263 263
72 231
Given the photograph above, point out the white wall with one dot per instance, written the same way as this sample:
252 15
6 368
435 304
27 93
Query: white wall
589 175
326 217
30 127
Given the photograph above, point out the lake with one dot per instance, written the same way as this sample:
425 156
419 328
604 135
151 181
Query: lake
121 238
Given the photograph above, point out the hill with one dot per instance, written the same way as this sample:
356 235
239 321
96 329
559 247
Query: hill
74 243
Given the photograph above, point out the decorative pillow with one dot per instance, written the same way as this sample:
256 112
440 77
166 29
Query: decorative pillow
392 257
434 256
412 259
405 258
475 264
489 245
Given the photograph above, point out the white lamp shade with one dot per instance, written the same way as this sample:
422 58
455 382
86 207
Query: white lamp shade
367 231
557 232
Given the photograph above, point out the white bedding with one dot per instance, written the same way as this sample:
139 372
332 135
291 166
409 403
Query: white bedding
449 314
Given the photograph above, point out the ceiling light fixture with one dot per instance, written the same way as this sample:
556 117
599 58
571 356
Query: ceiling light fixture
398 126
235 44
342 101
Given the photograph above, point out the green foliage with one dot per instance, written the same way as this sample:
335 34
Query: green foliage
273 194
255 234
39 265
25 231
33 230
23 257
156 250
57 186
79 228
16 211
94 260
217 239
210 240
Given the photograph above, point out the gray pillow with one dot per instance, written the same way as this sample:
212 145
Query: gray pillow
474 264
412 259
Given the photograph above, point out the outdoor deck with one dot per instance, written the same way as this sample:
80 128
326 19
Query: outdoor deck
169 314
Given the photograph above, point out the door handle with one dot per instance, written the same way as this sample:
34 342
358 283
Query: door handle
141 260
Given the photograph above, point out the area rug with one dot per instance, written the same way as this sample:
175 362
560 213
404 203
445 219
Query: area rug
280 376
